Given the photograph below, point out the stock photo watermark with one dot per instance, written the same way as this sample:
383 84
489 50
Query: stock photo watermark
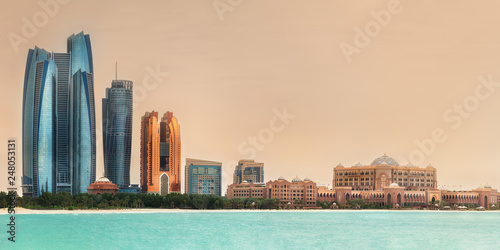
224 6
249 147
454 117
31 26
277 124
150 82
363 36
12 188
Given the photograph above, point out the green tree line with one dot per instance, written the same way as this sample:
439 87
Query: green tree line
64 200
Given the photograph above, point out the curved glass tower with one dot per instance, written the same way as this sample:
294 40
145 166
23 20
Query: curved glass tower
117 132
30 179
59 148
45 126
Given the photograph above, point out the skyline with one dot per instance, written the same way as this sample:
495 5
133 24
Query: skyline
225 85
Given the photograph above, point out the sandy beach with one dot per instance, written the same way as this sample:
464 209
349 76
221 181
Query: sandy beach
21 210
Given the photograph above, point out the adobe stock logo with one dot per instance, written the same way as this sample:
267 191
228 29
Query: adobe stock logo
150 82
277 124
372 29
454 116
40 19
223 6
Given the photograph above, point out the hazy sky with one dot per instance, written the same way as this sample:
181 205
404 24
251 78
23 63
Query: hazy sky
403 81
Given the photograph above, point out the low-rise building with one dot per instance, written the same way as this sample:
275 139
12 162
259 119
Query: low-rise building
246 190
102 186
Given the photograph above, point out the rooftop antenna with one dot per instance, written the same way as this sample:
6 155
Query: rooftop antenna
116 71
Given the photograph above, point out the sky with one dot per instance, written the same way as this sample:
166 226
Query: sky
298 85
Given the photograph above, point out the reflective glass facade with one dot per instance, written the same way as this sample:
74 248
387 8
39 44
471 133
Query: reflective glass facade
63 63
250 171
59 124
45 121
117 132
81 133
203 177
34 56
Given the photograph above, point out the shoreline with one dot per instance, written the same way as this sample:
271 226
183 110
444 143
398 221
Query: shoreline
20 210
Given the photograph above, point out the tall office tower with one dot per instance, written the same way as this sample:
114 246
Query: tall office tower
59 120
82 137
160 154
63 62
150 153
250 171
203 177
170 150
30 175
117 132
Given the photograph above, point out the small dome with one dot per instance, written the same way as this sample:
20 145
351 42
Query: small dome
307 179
487 186
281 178
103 179
359 165
385 160
409 165
340 165
296 179
430 166
394 185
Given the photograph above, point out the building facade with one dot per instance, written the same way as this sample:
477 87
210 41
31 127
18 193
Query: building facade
150 153
203 177
102 186
387 183
248 170
382 172
295 193
170 150
59 119
117 116
482 196
160 154
246 190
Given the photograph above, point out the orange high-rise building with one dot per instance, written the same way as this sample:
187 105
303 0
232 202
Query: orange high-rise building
150 152
170 156
160 154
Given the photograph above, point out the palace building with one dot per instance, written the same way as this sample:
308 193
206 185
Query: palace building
383 172
288 192
384 182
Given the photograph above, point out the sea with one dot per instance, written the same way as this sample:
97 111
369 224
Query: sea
256 230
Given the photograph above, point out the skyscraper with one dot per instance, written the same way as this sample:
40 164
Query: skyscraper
150 154
203 177
170 158
59 119
160 153
30 172
117 132
250 171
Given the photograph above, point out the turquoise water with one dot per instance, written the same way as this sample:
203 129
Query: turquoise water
256 230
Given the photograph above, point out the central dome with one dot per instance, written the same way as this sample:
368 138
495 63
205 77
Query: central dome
385 160
103 179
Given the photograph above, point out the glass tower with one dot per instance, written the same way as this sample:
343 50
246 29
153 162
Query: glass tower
30 179
117 132
203 177
59 119
250 171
